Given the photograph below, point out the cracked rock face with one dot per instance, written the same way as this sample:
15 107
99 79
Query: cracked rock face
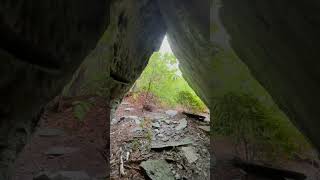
44 42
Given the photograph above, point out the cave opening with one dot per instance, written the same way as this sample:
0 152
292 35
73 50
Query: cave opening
160 123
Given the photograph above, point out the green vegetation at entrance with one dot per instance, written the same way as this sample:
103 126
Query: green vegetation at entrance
162 79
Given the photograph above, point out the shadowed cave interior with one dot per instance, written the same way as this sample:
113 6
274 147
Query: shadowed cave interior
266 49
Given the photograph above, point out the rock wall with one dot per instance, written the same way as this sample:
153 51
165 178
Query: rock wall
135 31
42 43
278 42
206 59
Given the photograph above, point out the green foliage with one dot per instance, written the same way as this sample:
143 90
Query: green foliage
254 127
190 101
80 109
135 145
163 79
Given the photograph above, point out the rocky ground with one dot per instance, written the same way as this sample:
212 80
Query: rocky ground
158 144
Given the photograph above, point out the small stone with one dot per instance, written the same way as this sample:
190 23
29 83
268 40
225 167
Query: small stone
165 139
179 166
183 123
114 121
135 119
177 176
171 113
160 135
156 131
137 129
204 150
156 125
167 121
190 154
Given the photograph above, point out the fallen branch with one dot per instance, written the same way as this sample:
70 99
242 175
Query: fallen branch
121 169
267 172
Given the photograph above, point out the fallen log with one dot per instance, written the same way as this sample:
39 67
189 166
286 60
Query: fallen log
194 116
267 172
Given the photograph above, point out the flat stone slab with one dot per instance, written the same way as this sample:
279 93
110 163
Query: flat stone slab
205 128
63 175
190 154
59 151
157 170
50 132
170 144
183 123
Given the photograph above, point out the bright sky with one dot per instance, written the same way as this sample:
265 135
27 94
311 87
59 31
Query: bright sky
165 47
